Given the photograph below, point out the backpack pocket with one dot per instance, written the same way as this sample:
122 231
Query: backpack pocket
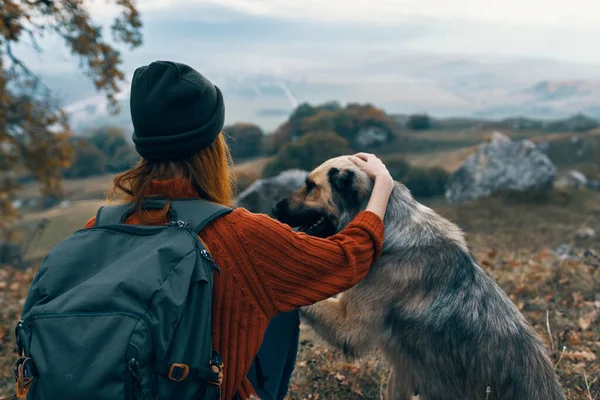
90 356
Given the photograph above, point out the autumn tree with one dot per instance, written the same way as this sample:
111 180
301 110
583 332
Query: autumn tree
34 131
350 122
308 152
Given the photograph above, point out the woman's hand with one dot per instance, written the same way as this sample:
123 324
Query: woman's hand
384 183
372 166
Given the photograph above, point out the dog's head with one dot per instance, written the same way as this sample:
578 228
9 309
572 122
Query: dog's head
332 194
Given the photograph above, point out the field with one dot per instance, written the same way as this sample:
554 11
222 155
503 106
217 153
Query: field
512 238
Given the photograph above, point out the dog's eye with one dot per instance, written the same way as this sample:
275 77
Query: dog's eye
310 185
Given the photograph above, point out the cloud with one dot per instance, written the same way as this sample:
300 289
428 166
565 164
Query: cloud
548 12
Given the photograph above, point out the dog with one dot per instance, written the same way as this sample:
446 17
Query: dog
447 329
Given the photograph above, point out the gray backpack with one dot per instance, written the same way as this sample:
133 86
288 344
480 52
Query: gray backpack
123 312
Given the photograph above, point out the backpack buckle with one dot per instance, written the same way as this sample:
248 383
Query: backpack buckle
217 368
178 372
24 371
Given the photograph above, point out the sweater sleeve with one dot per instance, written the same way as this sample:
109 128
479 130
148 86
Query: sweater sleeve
90 224
298 269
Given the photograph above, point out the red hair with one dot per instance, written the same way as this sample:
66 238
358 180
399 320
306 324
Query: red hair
210 173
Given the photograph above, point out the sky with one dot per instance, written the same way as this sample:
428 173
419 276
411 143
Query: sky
407 55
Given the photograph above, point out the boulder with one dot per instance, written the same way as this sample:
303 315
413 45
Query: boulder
585 233
572 178
371 136
501 165
11 254
261 196
544 147
593 185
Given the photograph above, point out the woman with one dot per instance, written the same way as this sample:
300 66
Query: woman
266 267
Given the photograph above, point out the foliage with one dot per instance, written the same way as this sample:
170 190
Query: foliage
419 122
397 166
426 182
89 160
347 122
244 140
308 152
34 130
245 179
105 150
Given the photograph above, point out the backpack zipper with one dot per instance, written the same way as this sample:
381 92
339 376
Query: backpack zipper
204 253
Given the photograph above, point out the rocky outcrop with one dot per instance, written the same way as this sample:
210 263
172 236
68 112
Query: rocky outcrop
572 178
501 165
371 136
261 196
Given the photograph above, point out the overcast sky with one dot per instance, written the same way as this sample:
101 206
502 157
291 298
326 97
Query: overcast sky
421 54
567 30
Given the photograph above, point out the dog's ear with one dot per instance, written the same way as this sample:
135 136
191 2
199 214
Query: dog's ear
341 180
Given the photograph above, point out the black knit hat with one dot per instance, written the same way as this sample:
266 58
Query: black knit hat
175 111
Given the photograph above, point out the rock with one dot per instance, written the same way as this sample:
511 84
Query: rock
593 185
564 252
262 195
572 178
544 147
10 253
373 135
501 165
585 233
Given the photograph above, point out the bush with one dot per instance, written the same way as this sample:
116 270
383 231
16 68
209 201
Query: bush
426 182
307 153
244 140
89 160
397 166
245 179
419 122
347 122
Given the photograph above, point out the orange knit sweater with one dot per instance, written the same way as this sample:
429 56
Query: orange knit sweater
267 268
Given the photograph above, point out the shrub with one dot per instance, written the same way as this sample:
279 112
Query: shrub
88 161
397 166
426 182
347 122
245 179
307 153
419 122
244 140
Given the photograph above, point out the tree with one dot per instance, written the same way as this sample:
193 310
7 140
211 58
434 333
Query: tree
34 131
426 182
245 140
308 152
89 160
397 166
350 123
119 152
419 122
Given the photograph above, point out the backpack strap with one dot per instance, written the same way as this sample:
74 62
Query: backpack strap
111 215
197 212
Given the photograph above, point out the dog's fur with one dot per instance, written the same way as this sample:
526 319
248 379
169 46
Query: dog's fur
447 329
